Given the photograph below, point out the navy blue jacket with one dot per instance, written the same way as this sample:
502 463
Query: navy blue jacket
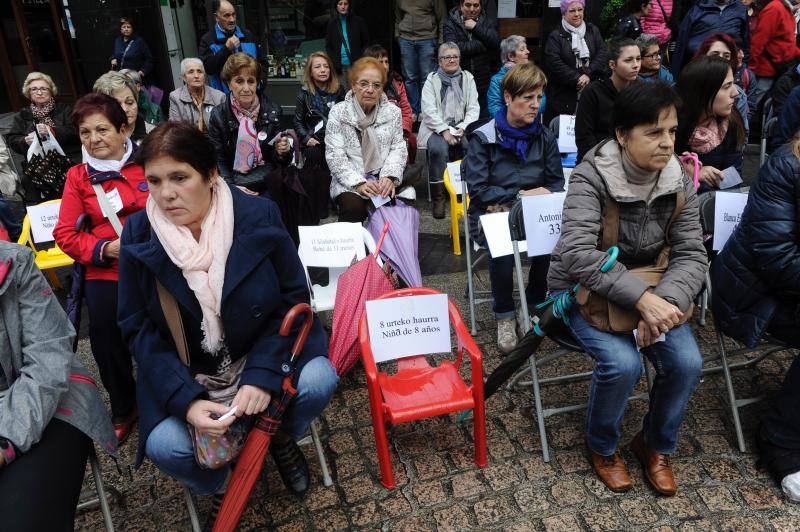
705 19
213 53
758 270
138 56
788 120
263 280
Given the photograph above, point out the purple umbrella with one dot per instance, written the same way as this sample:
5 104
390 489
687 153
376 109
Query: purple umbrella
401 244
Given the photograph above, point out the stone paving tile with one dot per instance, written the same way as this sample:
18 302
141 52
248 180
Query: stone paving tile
560 523
718 498
491 511
638 511
452 518
602 518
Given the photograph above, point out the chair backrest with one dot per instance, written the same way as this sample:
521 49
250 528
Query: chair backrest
43 231
449 185
707 203
554 124
766 111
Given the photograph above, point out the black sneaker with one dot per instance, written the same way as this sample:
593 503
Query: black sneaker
292 466
216 504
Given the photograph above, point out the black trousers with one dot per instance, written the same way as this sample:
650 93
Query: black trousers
316 178
41 488
108 348
352 207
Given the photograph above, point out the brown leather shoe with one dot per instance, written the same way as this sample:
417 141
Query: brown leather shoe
611 470
656 467
124 425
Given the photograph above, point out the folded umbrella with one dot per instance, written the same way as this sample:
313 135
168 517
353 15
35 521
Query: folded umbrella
251 459
74 303
401 246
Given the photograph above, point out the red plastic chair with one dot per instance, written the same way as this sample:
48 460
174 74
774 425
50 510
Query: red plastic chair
419 391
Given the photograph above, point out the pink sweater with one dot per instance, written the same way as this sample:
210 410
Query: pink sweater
654 22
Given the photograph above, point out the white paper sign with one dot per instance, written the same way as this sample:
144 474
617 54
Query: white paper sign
498 235
730 178
542 222
566 134
661 338
380 201
554 3
454 169
319 126
506 8
331 245
43 219
114 199
408 326
728 208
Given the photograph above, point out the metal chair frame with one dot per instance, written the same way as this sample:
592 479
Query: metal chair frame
102 497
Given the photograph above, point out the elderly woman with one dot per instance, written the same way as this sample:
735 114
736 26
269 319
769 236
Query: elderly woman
193 102
364 145
512 156
449 106
651 68
513 51
709 123
756 292
631 192
320 92
44 115
50 409
131 50
108 180
124 90
224 260
593 122
573 55
150 112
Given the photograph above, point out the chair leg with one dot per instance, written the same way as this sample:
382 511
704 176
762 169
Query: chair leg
192 509
726 371
470 284
479 429
382 446
537 400
51 274
101 491
327 481
454 228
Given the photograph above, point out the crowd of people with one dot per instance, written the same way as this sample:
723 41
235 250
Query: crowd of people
202 209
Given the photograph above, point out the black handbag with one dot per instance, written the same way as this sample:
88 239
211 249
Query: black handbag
254 180
47 174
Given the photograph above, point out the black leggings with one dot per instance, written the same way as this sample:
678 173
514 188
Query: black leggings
40 489
352 207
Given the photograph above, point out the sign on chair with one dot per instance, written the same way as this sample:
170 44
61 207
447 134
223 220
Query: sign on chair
408 326
43 220
331 245
498 235
454 169
728 208
542 216
566 134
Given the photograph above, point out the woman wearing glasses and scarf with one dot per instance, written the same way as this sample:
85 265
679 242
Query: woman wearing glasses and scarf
449 105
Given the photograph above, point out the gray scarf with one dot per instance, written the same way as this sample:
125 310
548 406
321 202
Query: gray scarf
452 96
370 149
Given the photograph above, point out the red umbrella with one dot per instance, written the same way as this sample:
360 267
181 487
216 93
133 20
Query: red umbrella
362 281
251 459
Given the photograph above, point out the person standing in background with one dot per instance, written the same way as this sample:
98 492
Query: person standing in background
130 50
346 38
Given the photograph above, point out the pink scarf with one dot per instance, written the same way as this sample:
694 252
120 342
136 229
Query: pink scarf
203 262
708 135
248 149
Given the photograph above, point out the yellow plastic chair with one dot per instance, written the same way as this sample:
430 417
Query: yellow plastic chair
457 209
46 259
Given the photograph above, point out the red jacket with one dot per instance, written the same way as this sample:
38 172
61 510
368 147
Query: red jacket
773 43
79 197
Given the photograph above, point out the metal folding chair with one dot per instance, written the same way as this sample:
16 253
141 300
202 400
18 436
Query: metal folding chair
766 133
475 297
101 498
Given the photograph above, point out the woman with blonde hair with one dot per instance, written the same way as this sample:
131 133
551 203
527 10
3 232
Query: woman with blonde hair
124 90
320 92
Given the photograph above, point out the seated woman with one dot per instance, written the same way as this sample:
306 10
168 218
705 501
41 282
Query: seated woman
152 113
449 106
651 68
108 169
709 123
513 51
124 90
43 114
755 279
194 102
511 156
574 55
320 92
364 139
637 176
593 122
724 46
50 409
233 271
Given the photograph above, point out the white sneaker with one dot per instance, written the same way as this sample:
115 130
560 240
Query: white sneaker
507 334
791 486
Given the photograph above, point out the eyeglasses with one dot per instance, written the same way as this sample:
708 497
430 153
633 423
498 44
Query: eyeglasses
364 85
40 89
654 55
450 57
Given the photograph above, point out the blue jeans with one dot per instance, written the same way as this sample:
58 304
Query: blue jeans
501 276
419 60
618 367
170 448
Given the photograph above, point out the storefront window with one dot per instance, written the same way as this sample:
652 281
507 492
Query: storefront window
295 29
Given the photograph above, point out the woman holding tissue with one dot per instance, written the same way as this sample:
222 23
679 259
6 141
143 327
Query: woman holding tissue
709 123
219 262
364 145
631 192
512 156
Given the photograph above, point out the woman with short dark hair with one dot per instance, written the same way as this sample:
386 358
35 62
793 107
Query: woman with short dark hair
131 50
631 192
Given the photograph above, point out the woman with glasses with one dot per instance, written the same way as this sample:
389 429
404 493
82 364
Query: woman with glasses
449 105
364 145
651 68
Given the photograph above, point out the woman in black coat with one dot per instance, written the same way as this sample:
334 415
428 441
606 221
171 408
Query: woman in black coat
630 25
568 65
756 280
346 38
131 50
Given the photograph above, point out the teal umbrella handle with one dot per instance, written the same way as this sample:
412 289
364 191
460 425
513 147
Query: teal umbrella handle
613 253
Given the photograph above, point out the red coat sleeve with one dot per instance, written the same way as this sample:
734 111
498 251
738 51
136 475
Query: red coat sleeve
78 245
405 107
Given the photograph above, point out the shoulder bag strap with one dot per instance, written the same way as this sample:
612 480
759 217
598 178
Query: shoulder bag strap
610 222
109 210
174 321
680 202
